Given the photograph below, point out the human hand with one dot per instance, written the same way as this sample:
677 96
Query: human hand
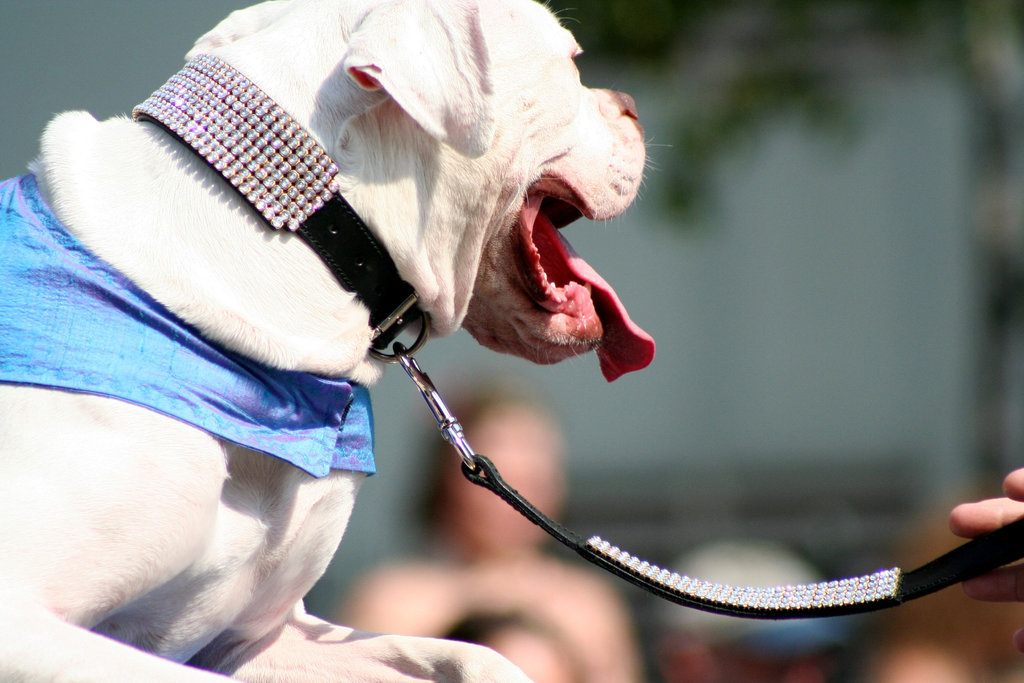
970 520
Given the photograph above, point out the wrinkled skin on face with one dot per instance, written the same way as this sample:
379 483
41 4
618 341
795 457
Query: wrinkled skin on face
582 155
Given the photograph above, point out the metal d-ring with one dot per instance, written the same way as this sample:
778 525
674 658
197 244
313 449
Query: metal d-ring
421 339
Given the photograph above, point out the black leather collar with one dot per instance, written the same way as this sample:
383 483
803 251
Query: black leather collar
358 261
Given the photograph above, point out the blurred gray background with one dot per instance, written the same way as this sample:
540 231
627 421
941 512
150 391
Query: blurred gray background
831 284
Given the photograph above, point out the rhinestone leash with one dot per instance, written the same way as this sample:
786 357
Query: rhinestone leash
879 590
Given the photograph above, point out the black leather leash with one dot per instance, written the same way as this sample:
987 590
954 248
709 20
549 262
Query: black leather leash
880 590
883 589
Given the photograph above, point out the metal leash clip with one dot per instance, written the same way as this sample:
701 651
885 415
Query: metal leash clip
451 428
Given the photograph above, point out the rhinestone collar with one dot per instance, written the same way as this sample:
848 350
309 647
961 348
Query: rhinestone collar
291 181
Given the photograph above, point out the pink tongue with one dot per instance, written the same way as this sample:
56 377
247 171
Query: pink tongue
625 347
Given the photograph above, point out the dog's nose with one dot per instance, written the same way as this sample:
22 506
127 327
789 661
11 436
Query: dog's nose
626 103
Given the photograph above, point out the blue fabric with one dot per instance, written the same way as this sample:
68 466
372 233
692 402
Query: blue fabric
69 320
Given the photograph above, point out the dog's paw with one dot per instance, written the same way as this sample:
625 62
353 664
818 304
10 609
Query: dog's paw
308 650
417 659
405 659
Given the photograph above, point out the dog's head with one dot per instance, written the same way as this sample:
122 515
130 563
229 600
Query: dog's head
466 141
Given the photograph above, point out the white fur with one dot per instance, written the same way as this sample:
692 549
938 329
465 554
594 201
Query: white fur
118 525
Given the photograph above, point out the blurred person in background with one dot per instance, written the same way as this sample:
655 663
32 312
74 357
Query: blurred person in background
486 558
700 647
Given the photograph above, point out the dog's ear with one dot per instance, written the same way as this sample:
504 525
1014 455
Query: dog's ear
432 59
238 24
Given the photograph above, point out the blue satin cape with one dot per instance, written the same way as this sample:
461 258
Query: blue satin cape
70 321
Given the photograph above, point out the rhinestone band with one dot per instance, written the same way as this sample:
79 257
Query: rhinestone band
882 585
268 157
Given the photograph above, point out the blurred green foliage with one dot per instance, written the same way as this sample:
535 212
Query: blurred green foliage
652 29
732 66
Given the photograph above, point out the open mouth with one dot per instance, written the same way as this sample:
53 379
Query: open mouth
562 283
551 281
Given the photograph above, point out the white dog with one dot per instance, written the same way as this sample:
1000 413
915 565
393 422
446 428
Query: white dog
132 543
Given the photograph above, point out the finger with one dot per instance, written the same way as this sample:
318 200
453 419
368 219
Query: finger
974 519
1018 640
1013 485
1002 585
